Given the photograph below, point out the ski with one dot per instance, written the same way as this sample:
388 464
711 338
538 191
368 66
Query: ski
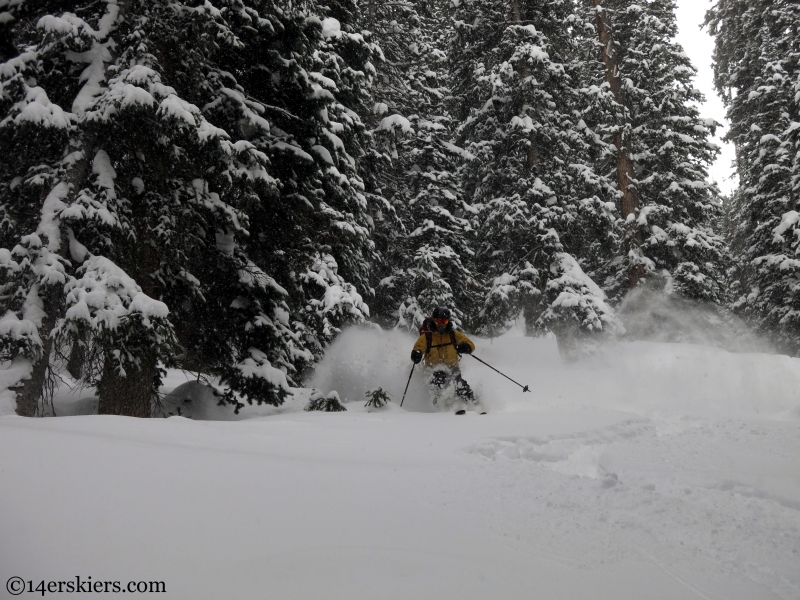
463 412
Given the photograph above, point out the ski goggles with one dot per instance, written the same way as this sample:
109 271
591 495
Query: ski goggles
442 321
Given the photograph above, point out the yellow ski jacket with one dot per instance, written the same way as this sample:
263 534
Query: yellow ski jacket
442 350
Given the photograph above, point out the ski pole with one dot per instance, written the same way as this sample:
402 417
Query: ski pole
524 387
407 382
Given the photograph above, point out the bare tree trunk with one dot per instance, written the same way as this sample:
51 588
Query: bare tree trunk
629 203
32 391
77 355
533 156
128 396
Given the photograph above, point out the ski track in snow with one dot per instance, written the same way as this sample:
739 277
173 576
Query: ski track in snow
663 471
689 497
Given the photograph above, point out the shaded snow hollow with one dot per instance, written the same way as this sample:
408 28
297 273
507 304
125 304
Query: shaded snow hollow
651 471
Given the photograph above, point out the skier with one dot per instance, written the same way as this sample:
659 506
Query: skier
442 346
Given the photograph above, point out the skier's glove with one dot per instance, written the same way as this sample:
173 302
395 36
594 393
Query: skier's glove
464 348
416 356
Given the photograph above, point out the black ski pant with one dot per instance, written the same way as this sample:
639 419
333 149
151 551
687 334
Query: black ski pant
443 377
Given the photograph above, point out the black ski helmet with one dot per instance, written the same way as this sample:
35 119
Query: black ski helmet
440 312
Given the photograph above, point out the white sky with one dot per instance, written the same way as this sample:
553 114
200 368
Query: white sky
699 46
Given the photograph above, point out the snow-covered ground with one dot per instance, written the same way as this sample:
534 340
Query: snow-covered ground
651 471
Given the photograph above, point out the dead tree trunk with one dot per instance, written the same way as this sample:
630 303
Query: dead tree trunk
629 203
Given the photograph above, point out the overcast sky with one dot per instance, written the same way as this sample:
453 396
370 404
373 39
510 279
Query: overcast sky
699 46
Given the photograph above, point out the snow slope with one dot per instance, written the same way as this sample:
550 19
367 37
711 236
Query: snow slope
652 471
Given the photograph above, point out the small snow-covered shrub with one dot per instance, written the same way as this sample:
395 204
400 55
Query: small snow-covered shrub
329 403
378 398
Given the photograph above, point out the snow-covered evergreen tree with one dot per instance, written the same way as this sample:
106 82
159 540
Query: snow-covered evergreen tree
757 72
423 232
63 57
660 154
540 206
196 181
295 99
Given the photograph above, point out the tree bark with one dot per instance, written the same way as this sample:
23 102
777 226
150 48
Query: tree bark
77 355
629 203
533 156
31 392
128 396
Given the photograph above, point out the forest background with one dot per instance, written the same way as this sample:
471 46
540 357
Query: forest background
223 186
